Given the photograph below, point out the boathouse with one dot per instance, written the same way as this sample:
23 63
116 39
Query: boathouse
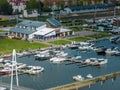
39 30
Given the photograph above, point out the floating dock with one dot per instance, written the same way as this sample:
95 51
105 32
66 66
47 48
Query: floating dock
87 82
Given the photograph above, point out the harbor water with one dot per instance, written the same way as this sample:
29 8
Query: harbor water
60 74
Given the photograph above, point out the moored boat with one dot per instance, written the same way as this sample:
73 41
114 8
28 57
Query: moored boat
78 78
100 50
5 71
112 51
34 69
89 76
57 59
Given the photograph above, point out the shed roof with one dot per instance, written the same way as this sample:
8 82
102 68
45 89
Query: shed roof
20 30
32 23
54 22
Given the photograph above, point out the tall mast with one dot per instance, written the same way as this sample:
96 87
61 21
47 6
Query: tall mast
14 67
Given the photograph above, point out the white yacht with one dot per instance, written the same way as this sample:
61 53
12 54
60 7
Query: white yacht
5 71
102 61
89 76
78 78
113 51
57 59
10 64
96 61
35 69
61 54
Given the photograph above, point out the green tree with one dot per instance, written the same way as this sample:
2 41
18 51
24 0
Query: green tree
35 4
5 7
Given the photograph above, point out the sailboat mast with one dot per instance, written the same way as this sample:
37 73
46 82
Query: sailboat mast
14 65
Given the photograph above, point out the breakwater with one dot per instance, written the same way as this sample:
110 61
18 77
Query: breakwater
87 82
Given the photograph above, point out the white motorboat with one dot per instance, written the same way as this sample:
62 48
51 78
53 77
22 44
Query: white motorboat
96 61
83 48
21 65
57 59
89 76
34 69
113 51
102 61
5 71
61 54
91 61
86 47
78 78
42 56
78 57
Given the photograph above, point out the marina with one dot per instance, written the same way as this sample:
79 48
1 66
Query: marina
60 45
57 74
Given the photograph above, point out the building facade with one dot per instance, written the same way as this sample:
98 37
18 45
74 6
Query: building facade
62 3
18 5
39 30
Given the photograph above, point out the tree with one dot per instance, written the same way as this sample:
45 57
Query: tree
5 7
35 4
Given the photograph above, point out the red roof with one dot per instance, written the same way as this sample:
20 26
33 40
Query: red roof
18 1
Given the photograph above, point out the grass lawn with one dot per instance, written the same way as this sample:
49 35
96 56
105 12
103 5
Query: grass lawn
7 45
60 42
78 39
2 31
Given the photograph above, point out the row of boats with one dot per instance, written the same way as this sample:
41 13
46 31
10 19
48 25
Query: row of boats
6 68
80 78
59 56
87 46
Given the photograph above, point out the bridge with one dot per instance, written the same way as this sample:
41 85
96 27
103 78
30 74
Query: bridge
6 85
87 82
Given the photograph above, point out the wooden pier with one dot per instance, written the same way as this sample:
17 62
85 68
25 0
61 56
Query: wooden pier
87 82
6 85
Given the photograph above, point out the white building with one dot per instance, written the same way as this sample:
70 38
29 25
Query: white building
39 30
19 7
30 13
